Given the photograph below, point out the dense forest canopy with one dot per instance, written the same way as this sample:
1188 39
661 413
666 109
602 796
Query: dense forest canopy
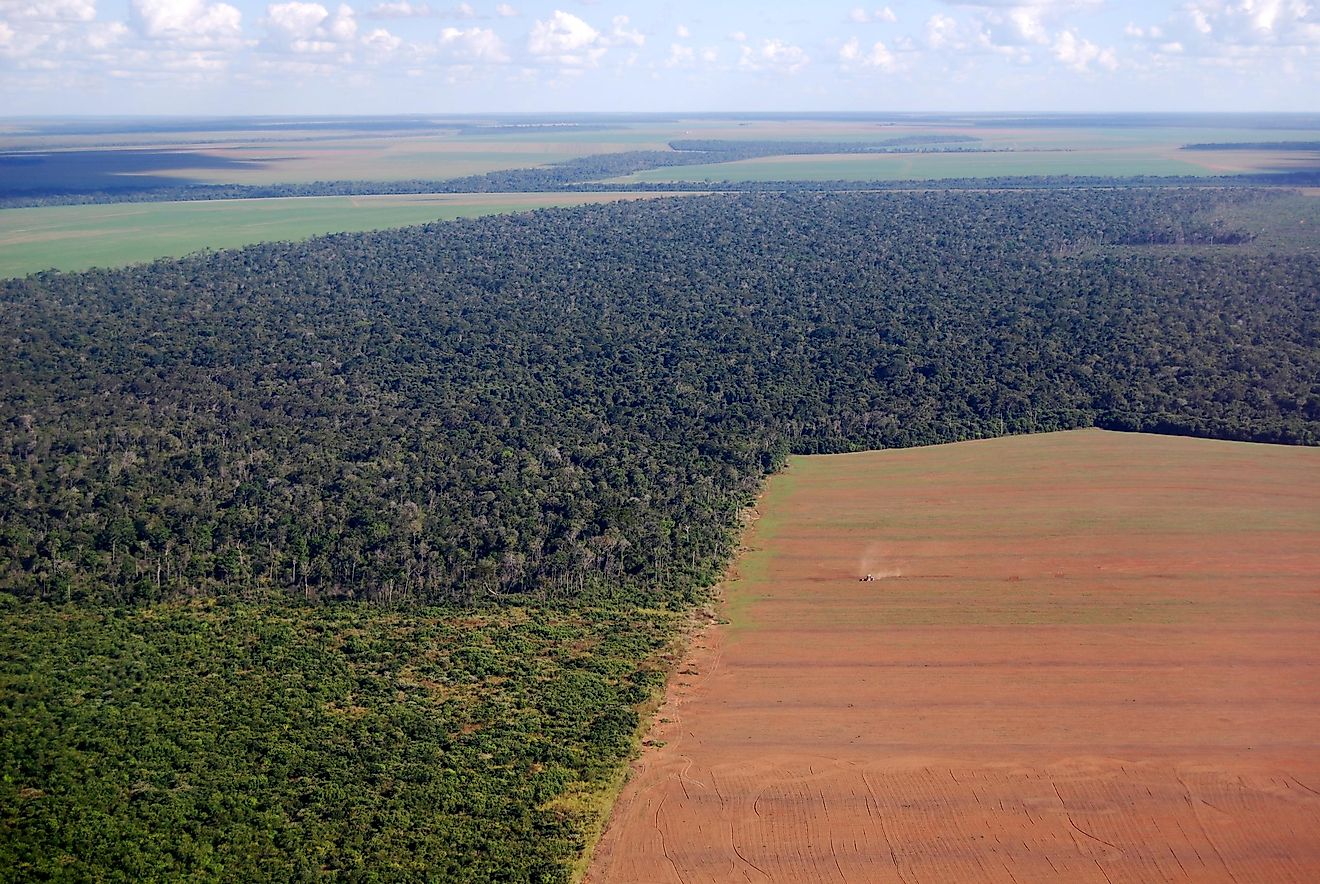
285 742
575 404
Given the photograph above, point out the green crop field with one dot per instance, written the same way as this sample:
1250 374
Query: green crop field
114 235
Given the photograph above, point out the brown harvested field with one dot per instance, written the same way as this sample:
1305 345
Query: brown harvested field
1237 162
1088 656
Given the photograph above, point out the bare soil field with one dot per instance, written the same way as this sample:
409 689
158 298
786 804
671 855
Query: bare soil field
1236 162
1085 656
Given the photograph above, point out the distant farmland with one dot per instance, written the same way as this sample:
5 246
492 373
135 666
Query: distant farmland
251 159
114 235
952 164
1085 656
54 161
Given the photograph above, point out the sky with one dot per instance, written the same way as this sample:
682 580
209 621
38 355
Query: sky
211 57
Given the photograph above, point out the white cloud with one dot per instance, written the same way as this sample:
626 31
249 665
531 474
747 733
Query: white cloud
381 42
22 45
774 55
1053 5
738 37
878 56
408 9
58 38
169 39
684 56
1079 53
1251 23
1028 25
682 32
103 35
474 44
343 26
862 16
940 29
190 66
1014 29
47 10
187 21
310 28
1235 33
296 19
680 56
565 39
400 9
622 35
1265 14
1009 28
504 10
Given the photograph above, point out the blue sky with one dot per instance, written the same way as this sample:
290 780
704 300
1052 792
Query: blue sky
432 56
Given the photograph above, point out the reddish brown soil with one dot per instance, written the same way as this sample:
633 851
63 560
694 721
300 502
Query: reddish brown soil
1088 657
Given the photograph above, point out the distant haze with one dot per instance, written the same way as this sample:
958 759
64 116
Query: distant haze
415 56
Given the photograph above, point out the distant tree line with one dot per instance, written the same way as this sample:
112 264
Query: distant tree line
576 404
530 181
554 176
1255 145
591 174
750 148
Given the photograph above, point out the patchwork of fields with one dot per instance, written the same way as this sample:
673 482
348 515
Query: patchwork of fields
245 157
914 166
38 158
1086 656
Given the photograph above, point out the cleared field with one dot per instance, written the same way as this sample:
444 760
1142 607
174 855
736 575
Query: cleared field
376 162
280 162
1027 152
114 235
289 151
901 167
1087 656
51 159
394 160
1160 137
